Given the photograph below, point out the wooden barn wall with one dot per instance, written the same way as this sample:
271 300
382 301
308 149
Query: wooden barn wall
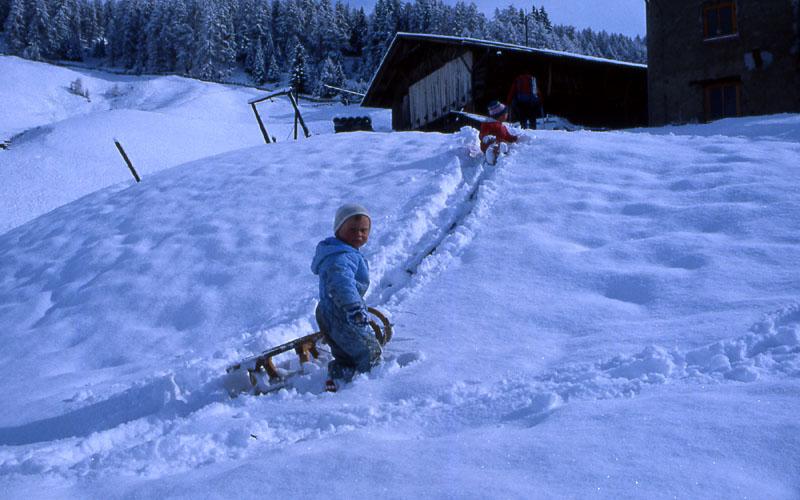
414 62
447 88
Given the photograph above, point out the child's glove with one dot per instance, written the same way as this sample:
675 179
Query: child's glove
358 316
489 139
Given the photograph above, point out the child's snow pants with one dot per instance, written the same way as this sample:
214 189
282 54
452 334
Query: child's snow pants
355 349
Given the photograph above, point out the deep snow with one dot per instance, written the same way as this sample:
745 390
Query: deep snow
601 315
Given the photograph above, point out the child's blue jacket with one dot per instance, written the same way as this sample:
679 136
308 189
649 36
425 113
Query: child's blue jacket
343 275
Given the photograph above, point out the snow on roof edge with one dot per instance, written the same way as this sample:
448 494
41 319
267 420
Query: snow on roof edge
485 43
490 43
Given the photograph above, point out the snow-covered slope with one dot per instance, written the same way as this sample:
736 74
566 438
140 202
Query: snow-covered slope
601 315
62 145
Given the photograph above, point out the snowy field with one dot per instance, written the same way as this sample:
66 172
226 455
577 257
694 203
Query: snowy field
600 315
62 145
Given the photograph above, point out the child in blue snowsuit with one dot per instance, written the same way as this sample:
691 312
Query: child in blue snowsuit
343 281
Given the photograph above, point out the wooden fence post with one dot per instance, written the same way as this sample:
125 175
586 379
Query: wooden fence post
128 161
297 116
260 123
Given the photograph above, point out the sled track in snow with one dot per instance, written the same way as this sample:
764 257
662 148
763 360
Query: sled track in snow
467 208
459 214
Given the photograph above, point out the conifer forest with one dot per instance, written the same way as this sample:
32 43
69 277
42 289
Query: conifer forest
306 43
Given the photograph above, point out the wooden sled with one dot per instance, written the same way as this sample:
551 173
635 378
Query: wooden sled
264 376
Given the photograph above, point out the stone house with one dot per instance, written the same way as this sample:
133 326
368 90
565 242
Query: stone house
711 59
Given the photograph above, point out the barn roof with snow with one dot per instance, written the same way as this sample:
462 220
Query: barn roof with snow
423 77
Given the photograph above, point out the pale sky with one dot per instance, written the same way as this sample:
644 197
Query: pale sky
615 16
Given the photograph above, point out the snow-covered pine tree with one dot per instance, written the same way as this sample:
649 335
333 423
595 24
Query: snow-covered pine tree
467 21
15 27
60 28
567 39
174 35
141 52
587 41
154 38
359 28
5 8
227 39
545 19
330 32
242 18
258 63
39 36
270 51
129 32
419 16
214 54
273 69
169 16
92 23
75 35
343 19
299 75
278 24
330 73
203 57
439 17
110 29
259 30
540 32
382 29
291 21
185 15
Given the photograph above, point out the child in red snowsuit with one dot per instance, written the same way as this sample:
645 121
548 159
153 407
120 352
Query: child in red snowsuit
494 134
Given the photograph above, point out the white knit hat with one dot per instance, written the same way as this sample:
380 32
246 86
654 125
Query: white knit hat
345 212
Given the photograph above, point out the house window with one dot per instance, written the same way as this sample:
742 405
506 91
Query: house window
719 21
723 100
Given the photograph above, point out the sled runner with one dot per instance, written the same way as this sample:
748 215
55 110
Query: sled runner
265 376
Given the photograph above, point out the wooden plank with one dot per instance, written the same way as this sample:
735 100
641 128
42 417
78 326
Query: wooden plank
261 99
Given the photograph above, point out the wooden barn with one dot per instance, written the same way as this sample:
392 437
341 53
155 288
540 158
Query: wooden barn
424 77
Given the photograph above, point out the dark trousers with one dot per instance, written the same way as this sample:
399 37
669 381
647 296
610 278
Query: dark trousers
527 112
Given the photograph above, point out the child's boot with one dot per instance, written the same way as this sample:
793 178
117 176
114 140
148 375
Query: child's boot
491 154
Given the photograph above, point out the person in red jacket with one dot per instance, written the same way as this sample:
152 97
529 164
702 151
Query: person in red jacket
493 134
525 100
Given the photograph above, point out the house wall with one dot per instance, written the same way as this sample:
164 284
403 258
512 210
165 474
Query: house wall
762 58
